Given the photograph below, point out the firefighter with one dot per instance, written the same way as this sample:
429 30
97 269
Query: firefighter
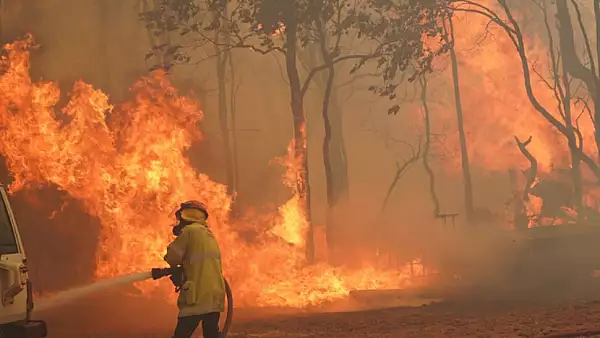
202 287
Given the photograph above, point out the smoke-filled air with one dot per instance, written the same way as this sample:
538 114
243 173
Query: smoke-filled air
350 155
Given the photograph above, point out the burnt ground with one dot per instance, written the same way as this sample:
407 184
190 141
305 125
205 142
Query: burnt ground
117 316
439 320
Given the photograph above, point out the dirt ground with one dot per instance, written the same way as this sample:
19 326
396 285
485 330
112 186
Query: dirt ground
115 316
439 320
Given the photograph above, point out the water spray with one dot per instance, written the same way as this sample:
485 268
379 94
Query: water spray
73 294
173 273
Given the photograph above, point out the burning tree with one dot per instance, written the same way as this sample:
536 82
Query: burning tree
560 83
393 32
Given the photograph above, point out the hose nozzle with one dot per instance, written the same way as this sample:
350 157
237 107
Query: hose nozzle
158 273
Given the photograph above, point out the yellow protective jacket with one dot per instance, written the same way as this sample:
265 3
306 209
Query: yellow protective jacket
197 250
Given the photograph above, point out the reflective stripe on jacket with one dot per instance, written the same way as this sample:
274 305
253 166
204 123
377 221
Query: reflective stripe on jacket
197 250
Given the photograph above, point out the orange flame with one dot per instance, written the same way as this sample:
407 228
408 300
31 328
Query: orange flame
126 164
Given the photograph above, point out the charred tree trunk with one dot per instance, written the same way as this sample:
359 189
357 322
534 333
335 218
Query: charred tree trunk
572 62
222 60
521 219
334 159
299 121
337 150
427 147
234 139
339 172
464 153
533 166
329 185
575 147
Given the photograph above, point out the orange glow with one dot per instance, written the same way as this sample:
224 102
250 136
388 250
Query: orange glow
496 107
126 163
495 100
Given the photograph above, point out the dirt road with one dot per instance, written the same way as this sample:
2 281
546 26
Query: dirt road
439 320
121 317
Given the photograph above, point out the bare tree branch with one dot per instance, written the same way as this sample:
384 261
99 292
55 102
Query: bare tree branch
533 166
401 169
317 69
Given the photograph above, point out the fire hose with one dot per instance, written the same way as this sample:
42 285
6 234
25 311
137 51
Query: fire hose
175 274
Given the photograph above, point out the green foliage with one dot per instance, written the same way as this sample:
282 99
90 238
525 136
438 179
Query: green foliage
401 29
396 30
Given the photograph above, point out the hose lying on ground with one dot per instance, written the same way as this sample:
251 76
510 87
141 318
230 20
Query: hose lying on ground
229 317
